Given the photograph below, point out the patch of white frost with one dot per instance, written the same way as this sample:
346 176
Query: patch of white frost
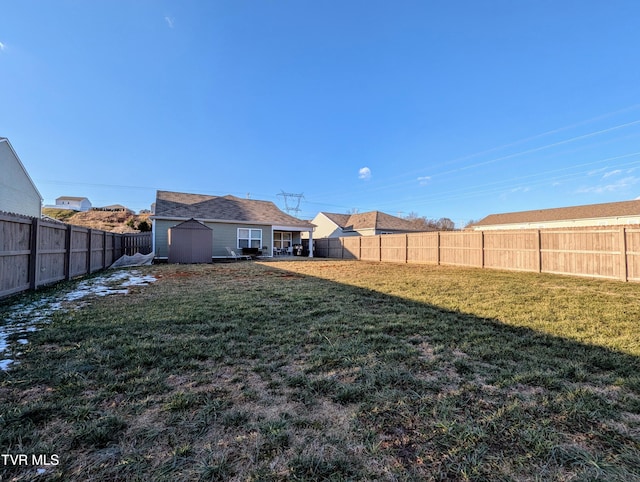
23 317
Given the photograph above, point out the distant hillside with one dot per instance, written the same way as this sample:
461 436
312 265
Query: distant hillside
112 221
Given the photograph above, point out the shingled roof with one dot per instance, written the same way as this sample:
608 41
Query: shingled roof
178 205
370 220
589 211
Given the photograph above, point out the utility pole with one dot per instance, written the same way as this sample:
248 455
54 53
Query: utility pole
289 200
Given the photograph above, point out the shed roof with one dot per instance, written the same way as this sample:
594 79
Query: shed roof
370 220
178 205
193 225
589 211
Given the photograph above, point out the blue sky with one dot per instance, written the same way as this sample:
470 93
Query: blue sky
454 109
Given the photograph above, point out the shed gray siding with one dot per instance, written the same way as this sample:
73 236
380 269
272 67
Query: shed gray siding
190 242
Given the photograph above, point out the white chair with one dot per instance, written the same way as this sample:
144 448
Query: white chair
237 256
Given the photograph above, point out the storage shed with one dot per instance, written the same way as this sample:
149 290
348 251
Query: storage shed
190 242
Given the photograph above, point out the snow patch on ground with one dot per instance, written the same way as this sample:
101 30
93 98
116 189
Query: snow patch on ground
23 317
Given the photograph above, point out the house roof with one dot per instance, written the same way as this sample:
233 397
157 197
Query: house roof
71 198
4 139
370 220
178 205
589 211
115 207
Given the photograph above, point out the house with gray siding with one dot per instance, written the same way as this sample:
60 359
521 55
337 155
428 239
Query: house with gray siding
18 193
236 223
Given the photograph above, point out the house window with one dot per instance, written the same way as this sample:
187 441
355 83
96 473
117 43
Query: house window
249 238
281 239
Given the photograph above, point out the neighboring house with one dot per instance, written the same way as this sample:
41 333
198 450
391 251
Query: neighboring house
73 203
607 214
236 223
114 208
18 193
331 225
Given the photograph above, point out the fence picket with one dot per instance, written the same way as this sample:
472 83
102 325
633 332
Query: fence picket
34 253
598 252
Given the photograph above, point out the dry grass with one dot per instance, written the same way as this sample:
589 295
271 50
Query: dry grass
110 221
334 370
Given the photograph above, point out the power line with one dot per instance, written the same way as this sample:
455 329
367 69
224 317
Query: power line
290 208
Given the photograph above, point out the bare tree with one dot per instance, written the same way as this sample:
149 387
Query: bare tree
470 223
422 223
445 224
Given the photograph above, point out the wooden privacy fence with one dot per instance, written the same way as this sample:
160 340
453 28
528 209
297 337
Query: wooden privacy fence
611 252
35 252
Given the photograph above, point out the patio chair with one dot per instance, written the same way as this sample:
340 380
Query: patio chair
237 256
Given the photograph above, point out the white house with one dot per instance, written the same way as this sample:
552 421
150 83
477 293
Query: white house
73 203
18 193
606 214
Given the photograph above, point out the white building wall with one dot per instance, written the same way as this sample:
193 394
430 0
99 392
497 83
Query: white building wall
17 192
325 228
571 223
76 205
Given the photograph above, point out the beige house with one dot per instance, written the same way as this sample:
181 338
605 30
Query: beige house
235 223
607 214
18 193
332 225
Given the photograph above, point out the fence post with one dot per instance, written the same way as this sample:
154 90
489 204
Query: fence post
539 249
104 249
89 248
438 248
406 248
67 255
624 265
379 247
33 258
482 249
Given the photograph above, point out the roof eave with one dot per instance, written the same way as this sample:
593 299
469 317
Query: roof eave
274 224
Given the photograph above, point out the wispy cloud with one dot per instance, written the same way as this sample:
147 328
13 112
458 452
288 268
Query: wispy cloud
364 173
597 172
619 185
2 47
424 180
611 173
507 194
170 21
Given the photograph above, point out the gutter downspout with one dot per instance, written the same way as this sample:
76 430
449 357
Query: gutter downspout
153 236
